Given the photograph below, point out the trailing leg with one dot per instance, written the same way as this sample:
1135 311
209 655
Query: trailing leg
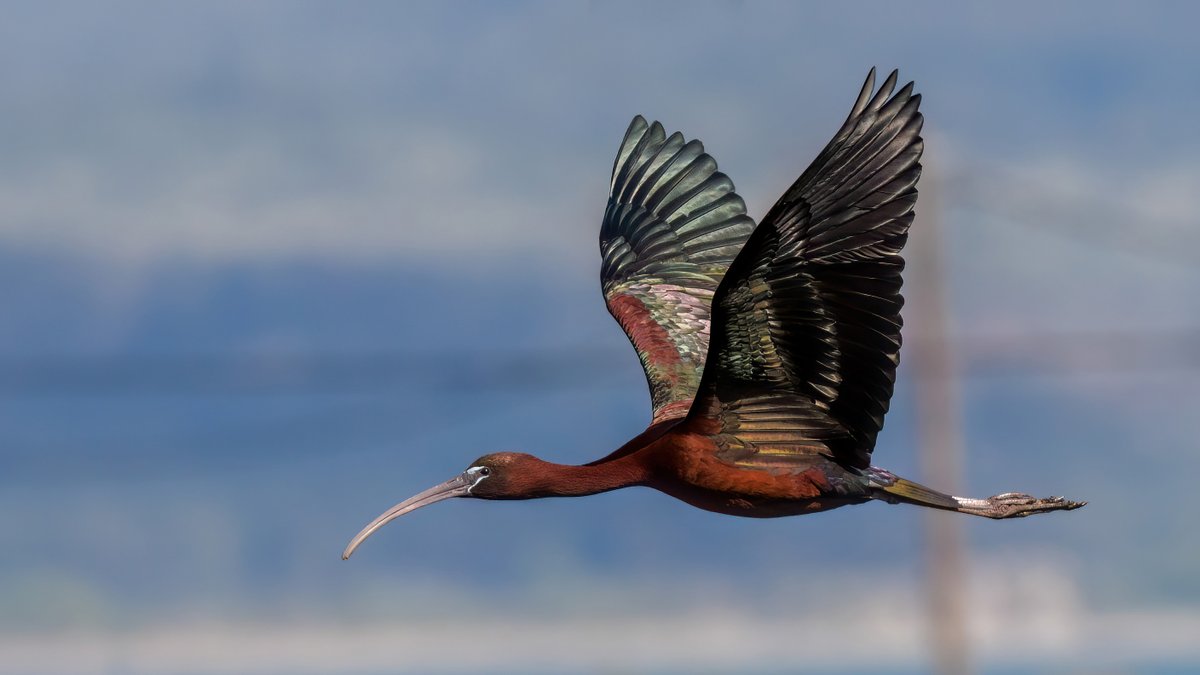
893 489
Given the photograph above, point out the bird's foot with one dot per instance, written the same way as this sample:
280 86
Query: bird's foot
1015 505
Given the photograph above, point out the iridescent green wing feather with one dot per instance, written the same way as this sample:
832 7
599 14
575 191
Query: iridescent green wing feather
806 335
672 227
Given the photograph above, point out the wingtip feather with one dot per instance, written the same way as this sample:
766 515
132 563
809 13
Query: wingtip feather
885 91
864 95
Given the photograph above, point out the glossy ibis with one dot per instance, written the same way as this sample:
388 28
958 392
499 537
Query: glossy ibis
770 350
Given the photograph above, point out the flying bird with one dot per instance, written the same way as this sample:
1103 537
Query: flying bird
770 349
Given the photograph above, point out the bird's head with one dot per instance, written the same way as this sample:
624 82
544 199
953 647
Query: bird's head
500 475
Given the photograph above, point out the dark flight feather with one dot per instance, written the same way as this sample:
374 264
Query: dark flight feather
806 323
672 227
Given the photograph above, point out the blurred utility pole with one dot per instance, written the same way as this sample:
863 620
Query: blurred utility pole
939 434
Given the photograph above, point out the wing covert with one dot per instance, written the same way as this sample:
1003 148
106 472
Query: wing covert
671 229
806 324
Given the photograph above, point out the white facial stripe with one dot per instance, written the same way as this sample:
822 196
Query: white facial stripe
475 472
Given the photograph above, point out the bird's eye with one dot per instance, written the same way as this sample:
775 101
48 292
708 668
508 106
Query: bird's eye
484 471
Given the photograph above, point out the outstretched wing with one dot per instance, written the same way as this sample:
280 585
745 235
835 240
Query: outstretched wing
806 335
672 227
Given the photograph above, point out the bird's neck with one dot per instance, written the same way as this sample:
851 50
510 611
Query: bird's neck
563 480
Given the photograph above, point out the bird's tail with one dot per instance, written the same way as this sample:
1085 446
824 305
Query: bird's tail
893 489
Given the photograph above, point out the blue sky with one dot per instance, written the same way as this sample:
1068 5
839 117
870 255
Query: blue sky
169 124
274 266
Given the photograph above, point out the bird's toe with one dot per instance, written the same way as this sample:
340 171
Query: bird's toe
1017 504
1013 499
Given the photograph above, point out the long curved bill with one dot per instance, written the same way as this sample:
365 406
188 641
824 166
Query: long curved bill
458 486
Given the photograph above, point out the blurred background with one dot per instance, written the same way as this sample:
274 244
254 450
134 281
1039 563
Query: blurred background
269 268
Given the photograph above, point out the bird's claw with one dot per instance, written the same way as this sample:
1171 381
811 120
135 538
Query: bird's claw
1019 505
